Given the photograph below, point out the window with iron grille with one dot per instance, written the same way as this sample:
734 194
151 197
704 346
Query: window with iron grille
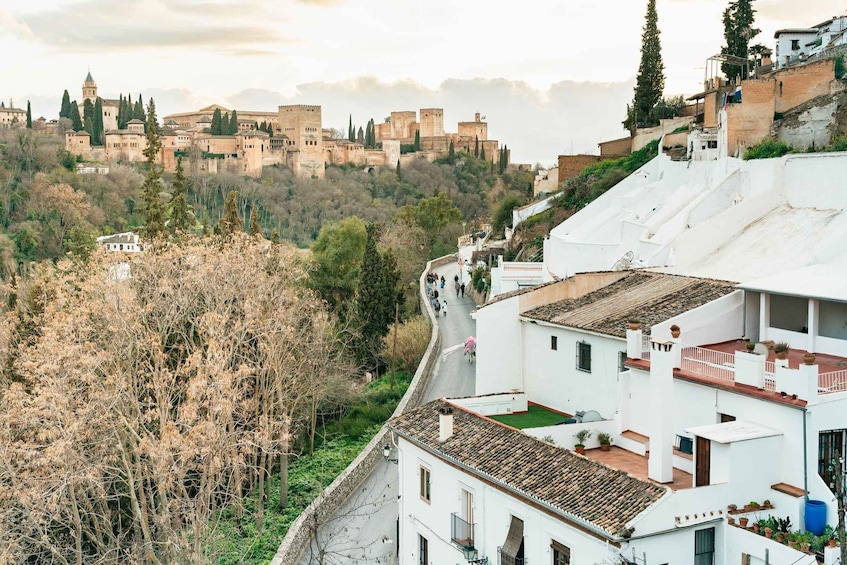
829 442
704 547
561 554
423 550
583 356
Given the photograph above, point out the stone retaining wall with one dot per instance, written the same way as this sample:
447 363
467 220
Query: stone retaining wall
331 499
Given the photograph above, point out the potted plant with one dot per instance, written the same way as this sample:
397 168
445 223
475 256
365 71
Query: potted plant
754 505
581 436
780 537
605 441
756 527
767 504
781 350
808 358
675 331
730 521
750 346
769 533
743 521
732 507
634 323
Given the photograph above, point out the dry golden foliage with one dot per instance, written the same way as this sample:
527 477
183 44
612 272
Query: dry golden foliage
412 338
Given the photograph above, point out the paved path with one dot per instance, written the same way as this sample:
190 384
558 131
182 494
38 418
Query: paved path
364 530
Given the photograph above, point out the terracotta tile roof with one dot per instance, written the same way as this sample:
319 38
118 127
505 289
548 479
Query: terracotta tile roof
648 296
574 485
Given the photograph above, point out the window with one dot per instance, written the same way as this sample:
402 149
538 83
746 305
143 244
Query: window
621 361
795 44
561 554
704 547
828 443
583 356
554 343
425 484
423 550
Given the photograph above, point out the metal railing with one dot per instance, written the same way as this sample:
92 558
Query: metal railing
504 558
835 381
709 363
645 347
462 532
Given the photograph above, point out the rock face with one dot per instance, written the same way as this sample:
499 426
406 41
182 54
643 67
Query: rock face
814 123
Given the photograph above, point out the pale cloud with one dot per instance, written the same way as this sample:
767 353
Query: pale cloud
95 25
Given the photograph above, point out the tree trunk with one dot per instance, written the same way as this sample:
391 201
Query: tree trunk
283 477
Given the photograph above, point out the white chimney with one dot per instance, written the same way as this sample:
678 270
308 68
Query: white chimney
633 341
660 464
445 423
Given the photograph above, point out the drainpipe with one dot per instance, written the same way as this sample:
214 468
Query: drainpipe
805 459
744 315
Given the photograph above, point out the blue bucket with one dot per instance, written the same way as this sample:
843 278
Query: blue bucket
815 516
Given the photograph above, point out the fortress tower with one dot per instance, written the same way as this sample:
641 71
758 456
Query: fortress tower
89 89
301 125
432 122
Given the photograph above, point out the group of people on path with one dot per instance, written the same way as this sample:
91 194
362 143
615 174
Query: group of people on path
432 281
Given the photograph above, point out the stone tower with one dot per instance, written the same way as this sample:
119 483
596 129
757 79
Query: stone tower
432 122
89 89
301 124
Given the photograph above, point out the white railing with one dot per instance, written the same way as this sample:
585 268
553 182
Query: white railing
770 383
836 381
770 368
710 363
645 347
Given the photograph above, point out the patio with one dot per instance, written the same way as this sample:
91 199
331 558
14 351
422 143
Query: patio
636 465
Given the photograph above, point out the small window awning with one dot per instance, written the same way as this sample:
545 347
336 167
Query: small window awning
731 432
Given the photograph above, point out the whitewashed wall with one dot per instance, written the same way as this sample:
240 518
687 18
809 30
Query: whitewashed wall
498 358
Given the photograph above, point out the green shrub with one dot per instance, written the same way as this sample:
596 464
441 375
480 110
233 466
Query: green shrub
767 149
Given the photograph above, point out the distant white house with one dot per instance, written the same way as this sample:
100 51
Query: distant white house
127 242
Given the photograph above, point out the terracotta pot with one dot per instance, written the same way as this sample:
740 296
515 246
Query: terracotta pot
743 522
832 543
756 527
768 533
605 447
808 358
730 521
580 450
634 325
780 537
782 355
675 333
805 546
793 545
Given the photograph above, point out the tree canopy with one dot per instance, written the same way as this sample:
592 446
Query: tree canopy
650 81
738 18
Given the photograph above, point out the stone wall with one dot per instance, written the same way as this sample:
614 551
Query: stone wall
615 148
331 499
750 122
795 85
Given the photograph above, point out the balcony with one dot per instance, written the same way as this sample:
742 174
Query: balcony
717 362
462 533
503 558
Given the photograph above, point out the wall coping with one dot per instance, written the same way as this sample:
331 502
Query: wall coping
299 535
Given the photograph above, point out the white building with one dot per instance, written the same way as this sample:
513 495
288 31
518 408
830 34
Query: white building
121 243
797 44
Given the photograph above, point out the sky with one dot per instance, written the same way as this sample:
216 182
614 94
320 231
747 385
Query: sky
551 76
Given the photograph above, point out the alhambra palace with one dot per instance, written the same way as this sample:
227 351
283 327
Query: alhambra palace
299 140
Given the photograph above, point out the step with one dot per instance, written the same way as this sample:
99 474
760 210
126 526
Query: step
634 442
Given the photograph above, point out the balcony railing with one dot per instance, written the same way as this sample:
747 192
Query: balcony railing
462 531
503 558
836 381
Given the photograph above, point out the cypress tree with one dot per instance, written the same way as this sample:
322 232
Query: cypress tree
738 20
233 123
216 122
452 151
350 135
360 137
650 82
120 110
476 146
417 140
398 171
77 122
225 124
482 153
138 110
377 296
65 112
28 115
98 122
231 222
255 228
153 207
88 119
182 219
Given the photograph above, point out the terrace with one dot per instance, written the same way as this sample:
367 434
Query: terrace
636 465
717 362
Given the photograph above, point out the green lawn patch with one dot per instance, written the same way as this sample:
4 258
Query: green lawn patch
536 417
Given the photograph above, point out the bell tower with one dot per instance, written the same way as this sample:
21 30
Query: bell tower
89 89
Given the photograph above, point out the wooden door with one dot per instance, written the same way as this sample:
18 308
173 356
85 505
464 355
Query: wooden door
703 471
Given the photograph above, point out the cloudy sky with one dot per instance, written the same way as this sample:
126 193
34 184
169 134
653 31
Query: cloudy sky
552 76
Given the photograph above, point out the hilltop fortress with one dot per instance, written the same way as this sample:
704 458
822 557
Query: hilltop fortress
292 136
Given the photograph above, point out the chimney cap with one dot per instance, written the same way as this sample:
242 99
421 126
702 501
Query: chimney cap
445 410
657 344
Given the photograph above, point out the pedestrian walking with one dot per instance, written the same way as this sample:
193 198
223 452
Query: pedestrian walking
435 294
442 282
463 290
456 278
457 288
444 309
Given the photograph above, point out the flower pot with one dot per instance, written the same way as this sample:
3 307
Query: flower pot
675 333
832 543
793 545
580 449
808 358
769 533
782 355
605 447
780 537
804 546
743 522
730 521
756 527
634 325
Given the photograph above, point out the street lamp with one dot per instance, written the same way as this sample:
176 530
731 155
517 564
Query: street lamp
472 555
386 453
